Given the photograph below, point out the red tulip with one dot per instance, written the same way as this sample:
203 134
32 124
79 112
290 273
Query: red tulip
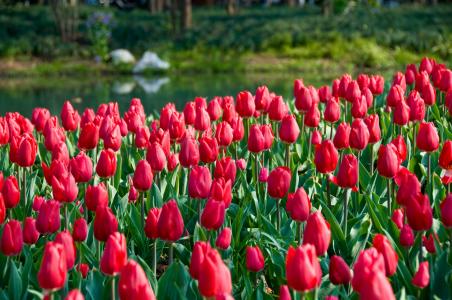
419 213
133 283
64 187
324 93
81 167
245 104
297 86
445 157
278 182
30 233
69 117
398 217
2 209
53 271
176 126
410 73
254 259
241 164
429 242
106 165
262 98
422 277
382 244
277 109
332 111
74 295
317 233
214 109
200 249
89 136
208 149
446 80
114 257
156 157
202 120
60 152
212 216
4 131
312 117
353 92
39 118
228 106
369 263
359 135
339 271
27 149
347 176
303 100
342 136
190 113
189 152
221 190
238 129
376 84
142 137
226 168
417 106
95 196
395 95
302 268
388 161
224 239
373 124
215 277
83 269
199 182
359 107
400 146
142 178
11 241
105 223
112 138
289 130
152 218
326 157
377 287
298 205
170 225
446 211
224 134
65 239
409 188
255 139
11 192
80 230
48 219
427 138
406 236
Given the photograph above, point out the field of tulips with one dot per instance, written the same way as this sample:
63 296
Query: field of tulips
338 192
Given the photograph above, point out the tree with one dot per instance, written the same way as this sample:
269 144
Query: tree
66 18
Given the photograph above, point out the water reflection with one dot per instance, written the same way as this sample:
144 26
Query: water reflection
24 94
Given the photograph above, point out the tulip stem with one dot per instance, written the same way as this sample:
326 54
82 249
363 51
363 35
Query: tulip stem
347 198
300 232
309 147
113 289
288 155
372 155
66 215
331 131
199 210
328 196
389 197
414 139
24 177
142 209
154 258
302 131
256 167
170 257
278 215
420 246
429 178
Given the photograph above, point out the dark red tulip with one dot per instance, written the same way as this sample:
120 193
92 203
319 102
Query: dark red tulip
289 130
142 178
422 277
202 120
406 236
95 196
245 104
342 136
255 139
214 277
89 136
359 135
221 190
212 216
400 146
53 271
2 209
303 271
199 182
446 211
200 249
106 165
30 233
339 271
254 259
224 134
382 244
11 192
48 219
419 213
277 109
409 189
224 239
81 167
332 111
64 187
80 230
133 283
208 149
65 239
347 176
298 205
170 225
278 182
445 157
83 269
427 138
114 257
398 217
388 161
69 117
11 241
152 219
317 233
27 149
189 152
326 157
429 242
105 223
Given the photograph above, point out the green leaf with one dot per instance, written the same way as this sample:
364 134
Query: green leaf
174 282
15 282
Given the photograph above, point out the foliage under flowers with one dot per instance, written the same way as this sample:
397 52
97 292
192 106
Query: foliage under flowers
235 198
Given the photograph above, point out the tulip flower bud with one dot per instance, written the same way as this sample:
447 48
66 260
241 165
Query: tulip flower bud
298 205
339 272
278 182
332 111
427 138
133 283
445 157
114 257
202 120
397 217
262 98
317 233
64 187
312 117
388 163
245 104
422 277
347 176
189 152
81 167
255 139
208 149
69 117
190 113
226 168
95 196
359 135
326 157
53 271
106 165
241 164
152 218
406 236
65 239
214 109
48 219
11 192
254 259
30 233
224 239
80 230
27 149
277 109
289 130
170 225
212 216
105 223
199 182
373 124
342 136
142 178
83 269
11 241
446 211
419 213
302 268
224 134
382 244
89 136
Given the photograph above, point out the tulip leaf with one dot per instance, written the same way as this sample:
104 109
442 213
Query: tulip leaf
174 282
15 282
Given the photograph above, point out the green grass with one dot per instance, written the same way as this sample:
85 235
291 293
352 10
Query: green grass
291 39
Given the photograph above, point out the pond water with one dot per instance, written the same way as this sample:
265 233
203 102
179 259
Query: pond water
23 95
